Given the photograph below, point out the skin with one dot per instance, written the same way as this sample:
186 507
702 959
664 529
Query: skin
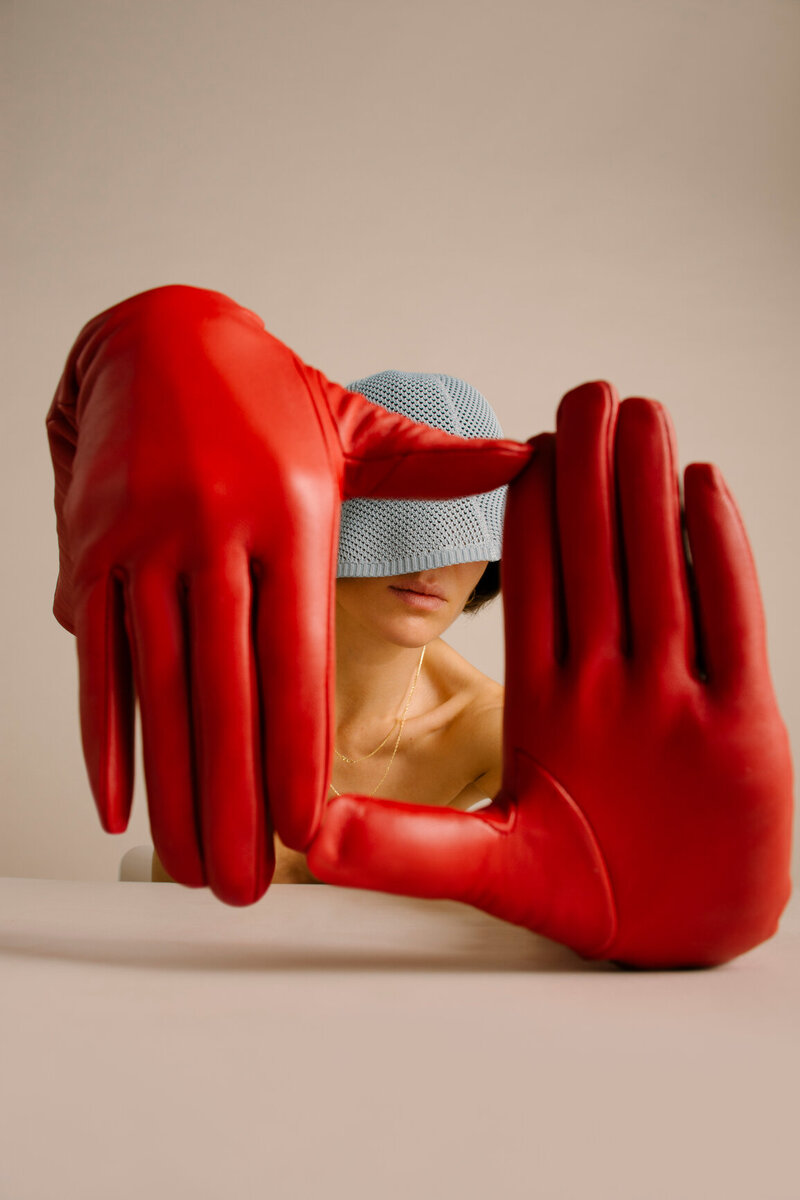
450 751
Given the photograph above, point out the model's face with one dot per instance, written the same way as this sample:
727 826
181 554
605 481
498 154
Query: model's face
401 609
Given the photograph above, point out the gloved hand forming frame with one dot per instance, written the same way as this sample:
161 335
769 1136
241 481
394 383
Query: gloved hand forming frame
646 806
199 468
645 811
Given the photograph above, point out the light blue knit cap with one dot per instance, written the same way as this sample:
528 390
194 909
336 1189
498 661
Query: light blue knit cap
396 537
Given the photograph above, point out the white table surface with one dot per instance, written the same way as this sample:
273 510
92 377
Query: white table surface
335 1043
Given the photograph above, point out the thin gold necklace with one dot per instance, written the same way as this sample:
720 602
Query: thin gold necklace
345 758
397 739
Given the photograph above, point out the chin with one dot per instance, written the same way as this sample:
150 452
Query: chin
415 631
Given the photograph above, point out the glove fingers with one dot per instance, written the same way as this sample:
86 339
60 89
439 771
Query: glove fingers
237 845
295 639
407 849
659 608
161 669
731 616
107 701
389 456
587 520
295 636
532 599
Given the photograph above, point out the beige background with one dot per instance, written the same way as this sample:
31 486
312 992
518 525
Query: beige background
528 195
525 194
333 1044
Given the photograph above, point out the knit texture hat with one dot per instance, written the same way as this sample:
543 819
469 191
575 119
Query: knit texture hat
396 537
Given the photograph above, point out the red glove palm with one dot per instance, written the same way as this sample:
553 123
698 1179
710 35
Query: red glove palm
646 806
199 469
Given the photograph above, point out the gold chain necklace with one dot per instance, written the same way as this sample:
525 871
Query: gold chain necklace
397 739
345 758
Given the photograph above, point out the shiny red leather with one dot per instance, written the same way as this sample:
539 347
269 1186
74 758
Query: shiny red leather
645 812
199 469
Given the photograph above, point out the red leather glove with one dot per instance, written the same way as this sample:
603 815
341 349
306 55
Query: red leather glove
200 467
646 806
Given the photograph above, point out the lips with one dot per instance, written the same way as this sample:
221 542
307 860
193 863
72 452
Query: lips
428 601
422 589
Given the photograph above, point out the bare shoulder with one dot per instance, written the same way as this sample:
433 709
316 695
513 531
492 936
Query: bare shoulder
476 730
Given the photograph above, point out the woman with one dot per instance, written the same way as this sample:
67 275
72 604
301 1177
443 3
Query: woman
415 721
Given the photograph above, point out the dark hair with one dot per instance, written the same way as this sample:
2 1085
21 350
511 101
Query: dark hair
487 587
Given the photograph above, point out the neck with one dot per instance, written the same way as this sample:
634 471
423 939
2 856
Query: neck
373 680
